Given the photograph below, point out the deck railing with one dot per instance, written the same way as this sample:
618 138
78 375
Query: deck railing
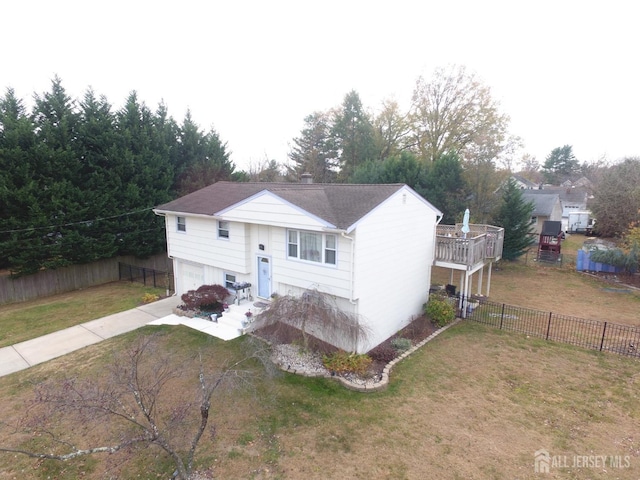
482 243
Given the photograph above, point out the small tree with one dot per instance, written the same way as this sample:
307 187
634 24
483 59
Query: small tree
514 216
316 310
135 404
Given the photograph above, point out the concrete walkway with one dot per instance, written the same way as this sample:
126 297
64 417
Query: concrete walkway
38 350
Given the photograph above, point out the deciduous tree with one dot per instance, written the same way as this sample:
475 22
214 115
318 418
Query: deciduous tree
135 405
455 112
616 199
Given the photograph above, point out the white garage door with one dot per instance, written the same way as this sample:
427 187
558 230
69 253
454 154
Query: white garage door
192 277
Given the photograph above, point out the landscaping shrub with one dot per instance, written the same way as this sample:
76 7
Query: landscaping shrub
150 297
206 297
345 362
401 344
439 310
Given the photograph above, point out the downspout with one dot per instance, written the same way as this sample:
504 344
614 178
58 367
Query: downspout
351 266
169 257
435 237
352 300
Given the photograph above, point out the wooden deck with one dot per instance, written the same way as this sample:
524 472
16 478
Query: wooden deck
483 244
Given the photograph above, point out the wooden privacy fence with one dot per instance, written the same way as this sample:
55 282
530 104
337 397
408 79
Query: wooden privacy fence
591 334
73 277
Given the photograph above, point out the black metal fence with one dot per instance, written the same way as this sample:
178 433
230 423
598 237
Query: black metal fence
591 334
148 276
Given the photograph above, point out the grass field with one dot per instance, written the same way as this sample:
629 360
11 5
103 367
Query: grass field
475 403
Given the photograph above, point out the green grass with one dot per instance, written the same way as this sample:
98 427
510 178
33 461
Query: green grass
27 320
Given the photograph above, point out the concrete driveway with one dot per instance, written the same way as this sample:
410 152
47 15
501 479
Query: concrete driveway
38 350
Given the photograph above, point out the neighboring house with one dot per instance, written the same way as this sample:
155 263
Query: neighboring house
572 199
523 183
371 247
546 208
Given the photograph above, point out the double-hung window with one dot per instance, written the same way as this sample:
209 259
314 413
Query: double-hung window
223 229
312 246
181 224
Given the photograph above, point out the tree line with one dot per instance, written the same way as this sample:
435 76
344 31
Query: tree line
78 180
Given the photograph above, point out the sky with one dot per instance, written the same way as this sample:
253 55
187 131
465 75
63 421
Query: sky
566 72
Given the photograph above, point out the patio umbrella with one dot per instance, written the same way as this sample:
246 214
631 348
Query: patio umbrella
465 223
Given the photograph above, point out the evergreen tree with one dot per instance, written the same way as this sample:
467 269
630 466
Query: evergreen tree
514 216
353 134
560 165
314 151
78 181
18 188
402 168
202 159
445 187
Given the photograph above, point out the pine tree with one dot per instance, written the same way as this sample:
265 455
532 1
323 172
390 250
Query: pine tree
514 216
353 135
313 151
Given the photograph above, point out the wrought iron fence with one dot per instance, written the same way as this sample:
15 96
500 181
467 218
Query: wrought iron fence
591 334
147 276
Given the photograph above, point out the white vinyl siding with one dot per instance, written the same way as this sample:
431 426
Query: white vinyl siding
203 246
311 246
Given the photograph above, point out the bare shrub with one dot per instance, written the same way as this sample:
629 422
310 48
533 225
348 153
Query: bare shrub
317 313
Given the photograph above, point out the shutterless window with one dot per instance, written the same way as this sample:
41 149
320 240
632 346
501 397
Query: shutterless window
292 243
229 280
223 229
312 247
330 249
182 224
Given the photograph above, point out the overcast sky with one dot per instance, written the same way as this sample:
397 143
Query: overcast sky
566 72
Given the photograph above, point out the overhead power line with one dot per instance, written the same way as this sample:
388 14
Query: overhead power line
50 227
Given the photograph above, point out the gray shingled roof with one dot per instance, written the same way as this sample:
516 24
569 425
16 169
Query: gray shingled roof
543 203
339 204
570 195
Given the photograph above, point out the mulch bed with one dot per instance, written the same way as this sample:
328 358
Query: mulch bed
419 329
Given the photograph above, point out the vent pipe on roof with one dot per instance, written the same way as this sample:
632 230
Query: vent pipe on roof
306 178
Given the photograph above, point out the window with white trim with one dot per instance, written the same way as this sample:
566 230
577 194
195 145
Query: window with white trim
223 229
312 246
181 224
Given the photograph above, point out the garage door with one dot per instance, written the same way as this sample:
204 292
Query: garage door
192 277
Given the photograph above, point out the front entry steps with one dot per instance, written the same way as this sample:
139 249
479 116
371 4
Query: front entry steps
232 324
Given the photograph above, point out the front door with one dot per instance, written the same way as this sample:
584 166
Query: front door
264 277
